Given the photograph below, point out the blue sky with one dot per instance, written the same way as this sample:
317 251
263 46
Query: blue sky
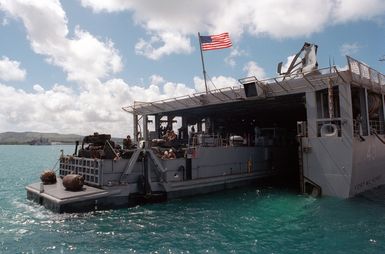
69 66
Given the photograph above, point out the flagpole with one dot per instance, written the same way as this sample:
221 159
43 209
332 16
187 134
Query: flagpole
203 63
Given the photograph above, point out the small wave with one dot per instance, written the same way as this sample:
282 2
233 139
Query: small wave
32 209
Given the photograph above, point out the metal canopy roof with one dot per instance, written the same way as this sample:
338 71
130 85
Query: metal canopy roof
244 108
268 89
272 88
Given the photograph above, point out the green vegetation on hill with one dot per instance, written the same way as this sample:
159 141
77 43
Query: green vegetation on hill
28 137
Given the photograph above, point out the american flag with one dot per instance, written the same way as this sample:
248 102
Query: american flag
212 42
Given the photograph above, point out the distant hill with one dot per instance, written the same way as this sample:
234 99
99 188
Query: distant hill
20 138
28 137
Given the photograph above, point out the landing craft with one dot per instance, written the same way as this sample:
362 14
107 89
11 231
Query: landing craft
320 129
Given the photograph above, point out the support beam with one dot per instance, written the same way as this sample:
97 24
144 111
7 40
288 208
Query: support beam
170 121
135 126
145 127
364 111
157 126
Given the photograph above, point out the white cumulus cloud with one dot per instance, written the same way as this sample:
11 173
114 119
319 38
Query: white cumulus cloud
83 57
10 70
156 79
234 53
38 88
65 110
252 69
171 26
353 10
170 43
214 83
171 23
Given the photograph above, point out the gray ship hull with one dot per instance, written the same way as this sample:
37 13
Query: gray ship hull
322 130
118 183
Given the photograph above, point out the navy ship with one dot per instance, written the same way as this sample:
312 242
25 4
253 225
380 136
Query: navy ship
321 129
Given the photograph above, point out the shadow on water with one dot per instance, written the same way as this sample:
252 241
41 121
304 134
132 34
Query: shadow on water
376 195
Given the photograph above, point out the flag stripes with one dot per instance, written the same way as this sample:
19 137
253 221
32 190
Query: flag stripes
213 42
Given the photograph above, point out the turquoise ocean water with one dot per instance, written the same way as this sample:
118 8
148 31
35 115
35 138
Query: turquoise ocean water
251 220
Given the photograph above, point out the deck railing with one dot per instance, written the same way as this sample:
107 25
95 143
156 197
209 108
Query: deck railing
90 169
365 75
376 125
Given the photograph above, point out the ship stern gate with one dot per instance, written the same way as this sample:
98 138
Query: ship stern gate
341 144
